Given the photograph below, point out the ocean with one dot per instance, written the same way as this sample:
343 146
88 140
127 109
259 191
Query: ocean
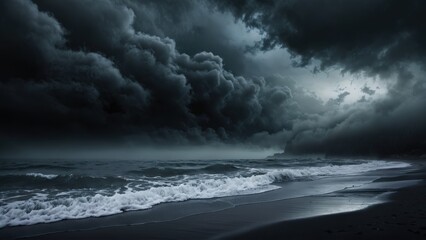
43 191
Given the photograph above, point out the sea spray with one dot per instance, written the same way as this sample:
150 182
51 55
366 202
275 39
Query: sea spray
75 196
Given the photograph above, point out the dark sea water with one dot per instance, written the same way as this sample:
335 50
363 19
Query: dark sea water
40 191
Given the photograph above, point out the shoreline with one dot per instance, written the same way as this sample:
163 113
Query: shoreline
225 219
402 217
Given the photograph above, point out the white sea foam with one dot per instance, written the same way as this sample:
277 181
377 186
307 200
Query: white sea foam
41 175
278 175
41 209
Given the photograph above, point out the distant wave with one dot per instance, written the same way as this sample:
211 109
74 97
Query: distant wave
38 166
47 176
43 209
43 181
170 171
220 168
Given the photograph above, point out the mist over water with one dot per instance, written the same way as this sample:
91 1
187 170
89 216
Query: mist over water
38 191
89 151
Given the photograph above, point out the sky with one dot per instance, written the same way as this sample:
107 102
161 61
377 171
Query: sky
340 78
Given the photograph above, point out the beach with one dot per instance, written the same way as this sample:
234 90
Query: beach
403 217
378 204
212 119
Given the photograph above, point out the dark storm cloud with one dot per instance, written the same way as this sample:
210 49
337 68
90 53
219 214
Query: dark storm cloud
391 126
377 38
46 85
374 36
366 132
195 27
135 72
81 69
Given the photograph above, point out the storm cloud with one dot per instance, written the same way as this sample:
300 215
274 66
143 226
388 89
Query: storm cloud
374 36
384 39
95 76
378 131
215 72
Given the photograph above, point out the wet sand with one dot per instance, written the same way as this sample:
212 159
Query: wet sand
404 217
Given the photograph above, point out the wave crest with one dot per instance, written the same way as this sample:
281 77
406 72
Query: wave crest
41 209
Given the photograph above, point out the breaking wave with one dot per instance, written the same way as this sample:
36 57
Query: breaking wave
44 208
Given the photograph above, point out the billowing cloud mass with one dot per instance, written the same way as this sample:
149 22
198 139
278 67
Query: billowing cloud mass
376 38
185 72
95 75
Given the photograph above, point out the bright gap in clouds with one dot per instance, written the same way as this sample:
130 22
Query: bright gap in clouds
325 85
358 87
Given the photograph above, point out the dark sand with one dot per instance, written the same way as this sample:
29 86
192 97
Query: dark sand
403 217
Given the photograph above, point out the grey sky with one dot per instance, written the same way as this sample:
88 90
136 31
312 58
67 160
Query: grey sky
215 73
